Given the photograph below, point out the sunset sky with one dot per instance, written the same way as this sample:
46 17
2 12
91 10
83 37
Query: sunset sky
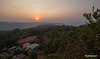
56 11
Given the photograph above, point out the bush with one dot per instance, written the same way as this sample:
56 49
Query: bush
8 57
32 55
52 56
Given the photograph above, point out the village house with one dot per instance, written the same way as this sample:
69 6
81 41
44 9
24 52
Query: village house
26 45
12 48
33 46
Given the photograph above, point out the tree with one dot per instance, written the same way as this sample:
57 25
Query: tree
92 31
52 56
8 57
32 55
94 15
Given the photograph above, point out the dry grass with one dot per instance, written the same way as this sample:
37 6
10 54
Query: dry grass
27 39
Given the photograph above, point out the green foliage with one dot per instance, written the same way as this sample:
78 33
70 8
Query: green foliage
91 33
51 46
52 56
8 57
19 51
32 55
94 15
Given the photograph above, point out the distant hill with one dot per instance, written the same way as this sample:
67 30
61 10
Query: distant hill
21 25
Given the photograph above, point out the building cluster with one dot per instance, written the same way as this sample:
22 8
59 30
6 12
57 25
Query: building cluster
11 51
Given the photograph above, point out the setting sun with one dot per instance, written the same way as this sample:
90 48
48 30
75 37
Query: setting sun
37 18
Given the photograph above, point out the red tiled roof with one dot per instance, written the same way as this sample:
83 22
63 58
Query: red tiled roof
12 48
26 45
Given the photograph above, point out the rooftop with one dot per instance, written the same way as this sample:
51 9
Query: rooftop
33 46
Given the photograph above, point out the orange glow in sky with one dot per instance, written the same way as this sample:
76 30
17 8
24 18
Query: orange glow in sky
57 11
36 18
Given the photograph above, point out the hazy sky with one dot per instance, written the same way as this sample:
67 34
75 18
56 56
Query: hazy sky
61 11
